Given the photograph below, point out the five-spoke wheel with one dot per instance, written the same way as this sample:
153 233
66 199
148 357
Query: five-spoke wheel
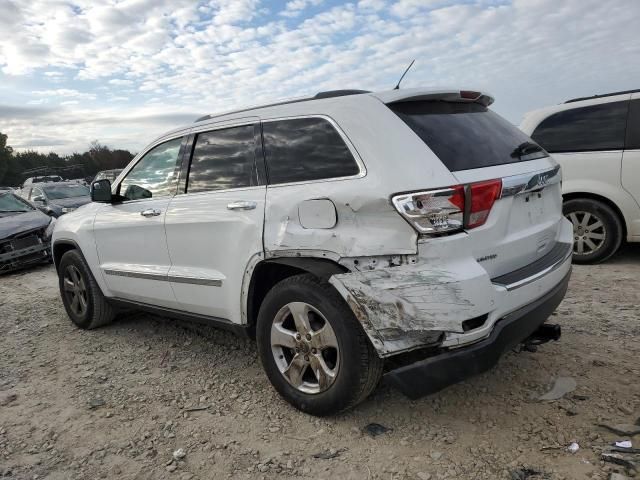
305 347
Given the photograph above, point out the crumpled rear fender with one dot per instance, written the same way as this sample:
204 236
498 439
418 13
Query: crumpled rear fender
407 302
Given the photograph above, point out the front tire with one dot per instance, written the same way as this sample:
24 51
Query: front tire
597 229
83 300
314 351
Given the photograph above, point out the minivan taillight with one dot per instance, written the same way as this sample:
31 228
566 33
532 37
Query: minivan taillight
442 211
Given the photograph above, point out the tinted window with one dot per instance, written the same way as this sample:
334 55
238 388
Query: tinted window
223 159
466 135
633 126
155 175
305 149
598 127
11 203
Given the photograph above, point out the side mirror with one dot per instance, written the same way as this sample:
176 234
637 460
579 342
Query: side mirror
39 199
101 191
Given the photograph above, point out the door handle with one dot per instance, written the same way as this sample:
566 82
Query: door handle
242 205
150 212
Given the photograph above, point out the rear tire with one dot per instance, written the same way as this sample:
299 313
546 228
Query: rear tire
83 300
597 229
339 366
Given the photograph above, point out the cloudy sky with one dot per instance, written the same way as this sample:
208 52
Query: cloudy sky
72 71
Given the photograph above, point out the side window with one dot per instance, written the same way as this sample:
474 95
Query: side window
155 175
304 149
598 127
223 159
633 126
36 192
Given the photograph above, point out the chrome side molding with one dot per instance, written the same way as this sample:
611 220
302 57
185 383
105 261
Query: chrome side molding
212 282
529 182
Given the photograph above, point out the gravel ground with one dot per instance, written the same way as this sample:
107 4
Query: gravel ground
117 402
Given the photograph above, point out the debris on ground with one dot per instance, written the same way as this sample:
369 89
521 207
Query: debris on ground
526 473
618 476
96 402
375 429
328 454
573 448
630 462
561 387
179 454
624 444
623 429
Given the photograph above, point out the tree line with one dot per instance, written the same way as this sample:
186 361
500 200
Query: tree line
15 166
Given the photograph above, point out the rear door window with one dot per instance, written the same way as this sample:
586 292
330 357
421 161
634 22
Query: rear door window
593 128
305 149
223 159
466 135
633 126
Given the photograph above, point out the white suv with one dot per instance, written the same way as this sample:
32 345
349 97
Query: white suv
413 232
597 142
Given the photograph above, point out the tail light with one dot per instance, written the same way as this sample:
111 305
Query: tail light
449 210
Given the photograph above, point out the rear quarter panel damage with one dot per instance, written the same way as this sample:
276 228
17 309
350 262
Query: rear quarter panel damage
406 306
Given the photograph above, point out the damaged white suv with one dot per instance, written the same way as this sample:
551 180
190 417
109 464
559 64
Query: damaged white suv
411 233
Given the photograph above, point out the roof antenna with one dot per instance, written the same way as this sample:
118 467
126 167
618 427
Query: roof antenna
397 87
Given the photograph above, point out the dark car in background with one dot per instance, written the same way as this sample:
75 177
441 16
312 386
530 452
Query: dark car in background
57 198
25 233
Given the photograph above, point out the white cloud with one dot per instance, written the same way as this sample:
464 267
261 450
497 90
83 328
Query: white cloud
294 8
215 55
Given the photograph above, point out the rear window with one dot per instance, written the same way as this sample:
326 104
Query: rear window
633 126
466 135
598 127
305 149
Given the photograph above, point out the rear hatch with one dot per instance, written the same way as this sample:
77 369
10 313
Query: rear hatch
477 145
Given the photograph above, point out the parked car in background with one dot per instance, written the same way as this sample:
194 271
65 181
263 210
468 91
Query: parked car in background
57 198
42 179
413 231
25 233
110 175
597 142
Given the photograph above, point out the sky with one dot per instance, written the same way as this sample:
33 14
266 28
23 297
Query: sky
122 72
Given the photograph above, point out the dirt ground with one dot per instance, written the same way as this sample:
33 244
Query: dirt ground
116 402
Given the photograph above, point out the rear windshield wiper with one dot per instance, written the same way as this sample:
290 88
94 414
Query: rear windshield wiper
527 148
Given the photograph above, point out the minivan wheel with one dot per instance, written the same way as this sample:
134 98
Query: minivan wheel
314 351
83 300
597 230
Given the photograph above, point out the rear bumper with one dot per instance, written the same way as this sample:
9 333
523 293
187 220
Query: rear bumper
444 369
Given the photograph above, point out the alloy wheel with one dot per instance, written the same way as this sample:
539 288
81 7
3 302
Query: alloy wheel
305 347
75 290
589 232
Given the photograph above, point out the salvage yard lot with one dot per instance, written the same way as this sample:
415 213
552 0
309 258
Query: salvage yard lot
117 402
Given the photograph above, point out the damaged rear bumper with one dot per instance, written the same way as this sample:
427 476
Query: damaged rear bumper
452 366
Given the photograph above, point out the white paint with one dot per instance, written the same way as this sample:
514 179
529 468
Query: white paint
317 213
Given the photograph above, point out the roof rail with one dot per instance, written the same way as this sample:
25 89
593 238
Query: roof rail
317 96
603 95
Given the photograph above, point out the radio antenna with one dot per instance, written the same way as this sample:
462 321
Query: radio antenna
397 87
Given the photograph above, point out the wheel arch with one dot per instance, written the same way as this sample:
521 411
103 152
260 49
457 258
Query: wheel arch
60 247
267 273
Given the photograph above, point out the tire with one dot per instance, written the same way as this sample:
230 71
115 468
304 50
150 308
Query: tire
97 311
594 224
356 366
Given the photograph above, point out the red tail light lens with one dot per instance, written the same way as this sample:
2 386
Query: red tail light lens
483 196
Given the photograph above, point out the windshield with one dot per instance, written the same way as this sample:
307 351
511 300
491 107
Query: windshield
55 192
10 203
467 135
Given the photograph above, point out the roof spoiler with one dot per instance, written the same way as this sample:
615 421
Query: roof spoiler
416 94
